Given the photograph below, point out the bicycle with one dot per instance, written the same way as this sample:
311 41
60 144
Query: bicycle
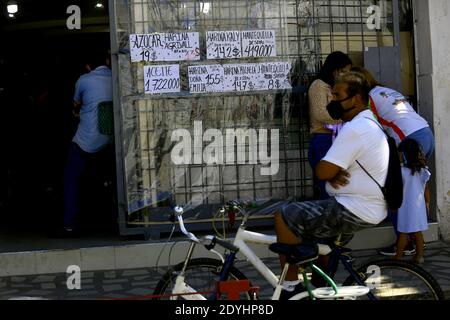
196 279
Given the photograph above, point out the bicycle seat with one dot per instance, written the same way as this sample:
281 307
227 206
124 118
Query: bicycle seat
296 253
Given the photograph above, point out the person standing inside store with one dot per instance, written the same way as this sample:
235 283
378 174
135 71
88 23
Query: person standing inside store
322 126
401 122
88 143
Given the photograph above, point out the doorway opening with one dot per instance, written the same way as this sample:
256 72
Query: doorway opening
40 61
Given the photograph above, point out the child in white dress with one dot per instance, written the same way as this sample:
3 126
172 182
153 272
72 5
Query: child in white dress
412 215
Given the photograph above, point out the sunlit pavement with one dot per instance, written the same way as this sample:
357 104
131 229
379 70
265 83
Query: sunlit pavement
140 283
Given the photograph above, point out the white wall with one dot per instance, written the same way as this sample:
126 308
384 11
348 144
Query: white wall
433 25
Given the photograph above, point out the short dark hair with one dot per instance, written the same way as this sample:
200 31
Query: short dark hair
335 61
369 76
357 84
98 58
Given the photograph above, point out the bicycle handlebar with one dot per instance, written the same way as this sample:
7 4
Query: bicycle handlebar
208 241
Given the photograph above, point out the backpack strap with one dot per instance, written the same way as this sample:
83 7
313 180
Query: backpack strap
379 186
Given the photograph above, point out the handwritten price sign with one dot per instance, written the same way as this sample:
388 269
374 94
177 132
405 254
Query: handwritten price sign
162 79
259 44
165 47
223 45
240 77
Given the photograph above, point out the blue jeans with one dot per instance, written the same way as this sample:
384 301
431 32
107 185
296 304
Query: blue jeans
77 163
319 145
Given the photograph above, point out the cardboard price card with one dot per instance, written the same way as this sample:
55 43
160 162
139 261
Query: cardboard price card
207 78
259 44
162 79
183 46
223 45
239 77
257 76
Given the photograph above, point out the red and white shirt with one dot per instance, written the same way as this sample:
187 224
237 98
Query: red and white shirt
395 113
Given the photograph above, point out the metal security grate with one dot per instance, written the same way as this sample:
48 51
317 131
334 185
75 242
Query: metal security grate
306 32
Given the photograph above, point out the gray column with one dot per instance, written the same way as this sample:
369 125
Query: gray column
433 48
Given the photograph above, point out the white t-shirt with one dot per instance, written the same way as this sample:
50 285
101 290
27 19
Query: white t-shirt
361 139
395 113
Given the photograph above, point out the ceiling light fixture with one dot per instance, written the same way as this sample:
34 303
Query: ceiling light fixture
99 5
12 7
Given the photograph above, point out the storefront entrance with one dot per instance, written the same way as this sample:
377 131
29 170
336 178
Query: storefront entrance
40 61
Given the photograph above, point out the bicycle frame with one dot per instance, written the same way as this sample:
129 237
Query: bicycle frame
336 257
242 238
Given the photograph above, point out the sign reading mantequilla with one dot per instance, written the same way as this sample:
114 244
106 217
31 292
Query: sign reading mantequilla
180 46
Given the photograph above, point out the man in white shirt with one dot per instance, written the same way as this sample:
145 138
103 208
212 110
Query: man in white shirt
356 200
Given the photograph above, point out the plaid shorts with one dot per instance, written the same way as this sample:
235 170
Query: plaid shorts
313 221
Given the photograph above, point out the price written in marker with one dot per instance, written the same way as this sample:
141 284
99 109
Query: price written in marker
203 79
239 77
165 47
162 79
259 44
223 45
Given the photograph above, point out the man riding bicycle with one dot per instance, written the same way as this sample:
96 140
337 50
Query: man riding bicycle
356 200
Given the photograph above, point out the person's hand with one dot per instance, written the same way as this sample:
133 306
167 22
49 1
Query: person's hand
340 180
428 208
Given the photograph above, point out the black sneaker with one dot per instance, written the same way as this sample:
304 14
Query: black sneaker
286 295
392 250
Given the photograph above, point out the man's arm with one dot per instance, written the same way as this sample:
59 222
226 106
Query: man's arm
328 171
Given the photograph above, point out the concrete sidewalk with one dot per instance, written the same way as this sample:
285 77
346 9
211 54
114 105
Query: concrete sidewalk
136 283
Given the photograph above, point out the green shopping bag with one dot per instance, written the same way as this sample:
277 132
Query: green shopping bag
106 118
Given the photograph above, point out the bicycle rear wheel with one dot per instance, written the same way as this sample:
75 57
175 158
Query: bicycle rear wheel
398 280
201 274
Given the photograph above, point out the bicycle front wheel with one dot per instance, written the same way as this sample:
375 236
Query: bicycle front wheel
398 280
201 274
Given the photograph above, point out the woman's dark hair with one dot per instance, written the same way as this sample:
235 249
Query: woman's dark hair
415 159
335 61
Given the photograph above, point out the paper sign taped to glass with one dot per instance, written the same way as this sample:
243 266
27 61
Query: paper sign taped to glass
239 77
182 46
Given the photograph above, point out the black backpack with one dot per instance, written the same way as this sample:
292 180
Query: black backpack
393 188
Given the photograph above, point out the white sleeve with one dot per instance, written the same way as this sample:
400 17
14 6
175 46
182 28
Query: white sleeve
346 149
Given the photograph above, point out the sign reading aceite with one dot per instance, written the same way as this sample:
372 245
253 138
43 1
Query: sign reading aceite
162 79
